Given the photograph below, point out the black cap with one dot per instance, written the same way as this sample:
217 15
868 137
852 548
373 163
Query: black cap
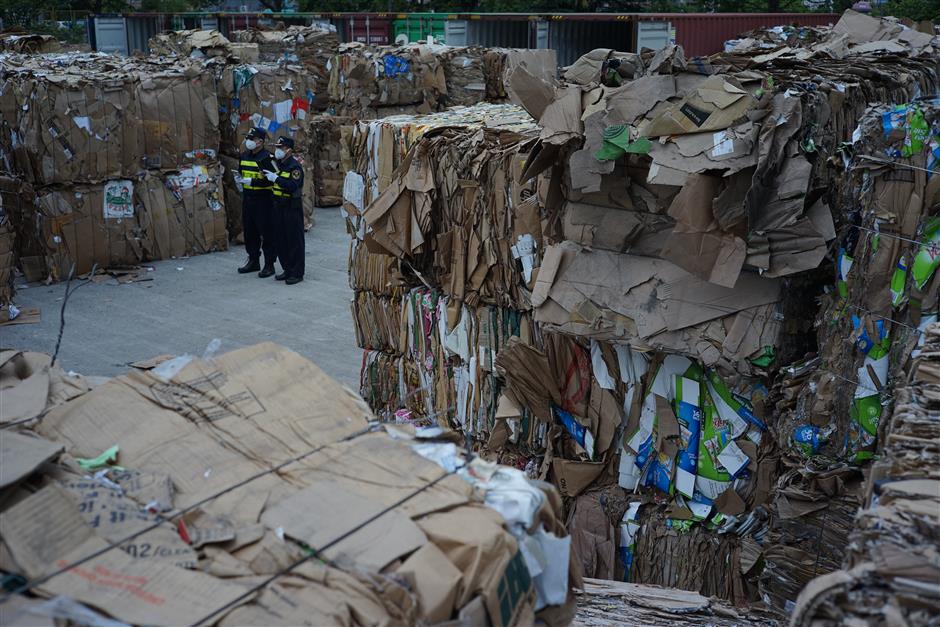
286 142
257 132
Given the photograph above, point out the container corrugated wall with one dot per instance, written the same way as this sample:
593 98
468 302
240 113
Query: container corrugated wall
139 31
573 38
365 29
498 33
702 34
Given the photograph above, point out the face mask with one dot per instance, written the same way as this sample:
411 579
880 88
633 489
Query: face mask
279 153
251 144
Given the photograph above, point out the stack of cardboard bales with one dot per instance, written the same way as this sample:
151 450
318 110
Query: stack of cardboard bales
269 79
891 568
471 75
195 43
370 82
475 73
665 241
313 47
449 213
250 488
122 154
875 316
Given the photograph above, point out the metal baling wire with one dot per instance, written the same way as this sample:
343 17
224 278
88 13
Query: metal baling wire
65 300
883 234
315 553
164 520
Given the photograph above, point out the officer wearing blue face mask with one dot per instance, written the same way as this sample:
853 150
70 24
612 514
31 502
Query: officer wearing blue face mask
288 183
258 220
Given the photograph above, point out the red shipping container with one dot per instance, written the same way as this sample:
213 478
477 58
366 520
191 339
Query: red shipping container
369 30
702 34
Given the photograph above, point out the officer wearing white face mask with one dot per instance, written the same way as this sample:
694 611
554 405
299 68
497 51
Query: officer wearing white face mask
288 206
258 219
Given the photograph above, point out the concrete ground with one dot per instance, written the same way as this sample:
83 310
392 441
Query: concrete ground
191 301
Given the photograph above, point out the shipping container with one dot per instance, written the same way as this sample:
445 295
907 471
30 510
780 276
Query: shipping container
490 33
570 34
572 38
702 34
364 28
412 27
107 34
140 28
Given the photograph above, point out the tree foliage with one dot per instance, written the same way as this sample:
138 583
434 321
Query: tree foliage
34 12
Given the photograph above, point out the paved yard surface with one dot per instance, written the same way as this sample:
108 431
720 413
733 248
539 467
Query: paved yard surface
191 301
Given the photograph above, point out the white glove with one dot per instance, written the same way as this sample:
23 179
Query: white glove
247 180
271 176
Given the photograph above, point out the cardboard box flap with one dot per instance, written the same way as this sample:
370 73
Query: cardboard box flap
310 516
22 454
716 104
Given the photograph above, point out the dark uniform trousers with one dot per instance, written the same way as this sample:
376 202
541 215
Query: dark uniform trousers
259 221
288 205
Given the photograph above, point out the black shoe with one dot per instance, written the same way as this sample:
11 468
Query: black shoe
293 280
280 277
253 265
266 272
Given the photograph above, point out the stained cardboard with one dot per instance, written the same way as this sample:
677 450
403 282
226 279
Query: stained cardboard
22 454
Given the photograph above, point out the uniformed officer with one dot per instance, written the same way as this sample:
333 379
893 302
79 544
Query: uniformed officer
288 183
257 205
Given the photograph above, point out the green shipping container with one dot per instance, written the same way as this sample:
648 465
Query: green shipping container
417 27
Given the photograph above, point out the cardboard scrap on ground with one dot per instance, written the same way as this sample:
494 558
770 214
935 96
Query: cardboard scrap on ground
24 383
619 603
26 315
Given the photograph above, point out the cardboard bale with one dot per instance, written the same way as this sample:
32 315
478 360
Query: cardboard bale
232 193
195 43
30 43
365 77
620 603
473 258
889 567
312 46
885 286
378 322
126 221
475 73
412 542
7 259
95 117
17 206
326 148
274 97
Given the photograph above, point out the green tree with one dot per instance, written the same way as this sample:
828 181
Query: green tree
916 10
